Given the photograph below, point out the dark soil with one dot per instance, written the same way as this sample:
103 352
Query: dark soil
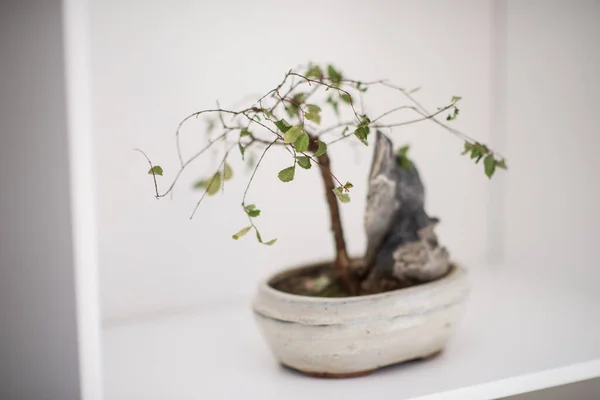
318 281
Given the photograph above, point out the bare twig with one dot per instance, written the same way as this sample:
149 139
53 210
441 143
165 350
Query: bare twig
151 170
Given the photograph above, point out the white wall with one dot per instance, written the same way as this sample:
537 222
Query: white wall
38 327
553 191
155 62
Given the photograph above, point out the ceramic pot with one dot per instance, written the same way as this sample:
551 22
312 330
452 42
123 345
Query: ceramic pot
342 337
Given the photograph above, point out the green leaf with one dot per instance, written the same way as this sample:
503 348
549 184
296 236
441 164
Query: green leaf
292 134
316 118
314 72
201 184
313 109
304 162
334 75
299 97
455 99
292 110
242 150
227 172
258 237
282 125
287 174
313 114
156 170
266 113
253 213
241 233
452 116
321 149
501 164
468 148
301 143
339 193
244 132
362 132
348 186
403 151
346 98
214 184
270 242
489 165
403 159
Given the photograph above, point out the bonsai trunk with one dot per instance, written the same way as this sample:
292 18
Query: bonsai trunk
341 262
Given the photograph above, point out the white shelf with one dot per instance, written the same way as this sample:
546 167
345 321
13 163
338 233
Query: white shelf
518 335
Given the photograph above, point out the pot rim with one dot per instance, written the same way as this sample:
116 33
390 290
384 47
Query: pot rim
456 272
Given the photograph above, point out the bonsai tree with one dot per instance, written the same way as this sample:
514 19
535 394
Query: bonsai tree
288 117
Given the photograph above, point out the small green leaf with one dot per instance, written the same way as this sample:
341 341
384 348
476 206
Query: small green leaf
313 109
348 186
241 233
501 164
244 132
334 75
253 213
250 207
452 116
314 72
468 148
313 114
201 184
403 159
299 98
292 134
316 118
156 170
339 193
287 174
362 132
304 162
282 125
489 165
259 238
403 151
214 184
242 150
227 172
266 113
346 98
292 110
321 149
455 99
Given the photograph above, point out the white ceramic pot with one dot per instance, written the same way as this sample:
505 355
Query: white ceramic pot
341 337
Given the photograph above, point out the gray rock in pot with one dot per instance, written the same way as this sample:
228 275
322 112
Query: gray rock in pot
400 235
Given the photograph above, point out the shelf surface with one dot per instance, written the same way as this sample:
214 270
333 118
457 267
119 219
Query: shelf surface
519 334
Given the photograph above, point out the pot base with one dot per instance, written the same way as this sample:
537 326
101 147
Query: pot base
358 374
